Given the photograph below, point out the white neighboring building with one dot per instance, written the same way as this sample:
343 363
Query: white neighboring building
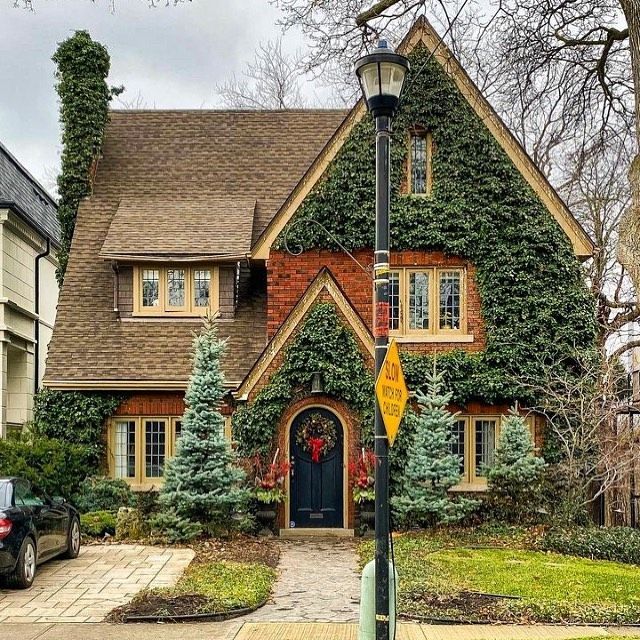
29 237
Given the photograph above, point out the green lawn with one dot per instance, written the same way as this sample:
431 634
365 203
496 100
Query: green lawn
227 585
445 578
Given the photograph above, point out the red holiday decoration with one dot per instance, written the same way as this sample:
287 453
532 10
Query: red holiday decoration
315 446
317 436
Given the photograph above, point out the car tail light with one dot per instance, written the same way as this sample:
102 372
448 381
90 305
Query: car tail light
5 527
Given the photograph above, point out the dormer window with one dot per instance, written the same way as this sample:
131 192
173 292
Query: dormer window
175 290
420 152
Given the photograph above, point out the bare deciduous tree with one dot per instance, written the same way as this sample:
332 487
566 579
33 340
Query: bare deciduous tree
581 395
271 81
595 185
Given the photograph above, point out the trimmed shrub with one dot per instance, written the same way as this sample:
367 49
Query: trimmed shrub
620 544
174 528
103 494
96 524
51 465
129 524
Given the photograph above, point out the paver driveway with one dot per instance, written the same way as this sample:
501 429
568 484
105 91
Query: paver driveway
87 588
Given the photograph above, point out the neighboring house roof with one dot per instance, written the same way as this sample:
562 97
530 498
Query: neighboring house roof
151 161
20 191
423 33
178 229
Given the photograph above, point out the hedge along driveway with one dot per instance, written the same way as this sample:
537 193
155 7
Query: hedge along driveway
88 588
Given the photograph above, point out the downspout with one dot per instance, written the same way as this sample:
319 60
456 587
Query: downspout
39 257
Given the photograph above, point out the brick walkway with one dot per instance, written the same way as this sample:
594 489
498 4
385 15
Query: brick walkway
318 582
88 588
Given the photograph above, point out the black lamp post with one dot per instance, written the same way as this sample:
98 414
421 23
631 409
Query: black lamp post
381 75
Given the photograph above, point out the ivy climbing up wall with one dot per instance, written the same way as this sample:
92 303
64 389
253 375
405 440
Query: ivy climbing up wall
534 300
82 69
315 348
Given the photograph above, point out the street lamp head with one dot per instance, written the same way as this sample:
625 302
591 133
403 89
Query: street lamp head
381 76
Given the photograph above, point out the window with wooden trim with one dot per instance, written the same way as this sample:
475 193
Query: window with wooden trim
175 290
427 301
474 440
419 162
139 447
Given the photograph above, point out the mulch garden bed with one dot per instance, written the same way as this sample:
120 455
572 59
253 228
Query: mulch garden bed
169 606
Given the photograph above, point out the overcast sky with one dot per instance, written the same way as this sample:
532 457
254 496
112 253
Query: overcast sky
172 57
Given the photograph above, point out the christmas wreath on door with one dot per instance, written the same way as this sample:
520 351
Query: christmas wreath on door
317 435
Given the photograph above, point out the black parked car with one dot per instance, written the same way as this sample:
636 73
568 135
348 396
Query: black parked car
33 528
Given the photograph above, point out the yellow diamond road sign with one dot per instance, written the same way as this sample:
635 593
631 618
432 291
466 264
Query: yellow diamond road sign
391 391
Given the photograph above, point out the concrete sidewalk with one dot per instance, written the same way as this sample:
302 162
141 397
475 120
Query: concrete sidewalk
239 630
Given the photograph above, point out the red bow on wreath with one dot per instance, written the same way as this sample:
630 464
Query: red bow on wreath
315 446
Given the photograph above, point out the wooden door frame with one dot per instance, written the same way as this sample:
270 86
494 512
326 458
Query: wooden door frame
345 467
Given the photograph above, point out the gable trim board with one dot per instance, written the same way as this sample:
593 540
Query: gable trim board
423 32
324 281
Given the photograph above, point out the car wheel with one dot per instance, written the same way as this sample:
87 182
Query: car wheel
73 539
25 572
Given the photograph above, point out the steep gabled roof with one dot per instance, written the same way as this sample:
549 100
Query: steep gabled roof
20 191
323 284
423 33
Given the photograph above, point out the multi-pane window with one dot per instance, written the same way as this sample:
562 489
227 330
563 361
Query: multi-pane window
175 290
139 447
418 300
449 286
485 439
125 449
201 286
426 301
474 440
420 163
458 442
150 287
155 438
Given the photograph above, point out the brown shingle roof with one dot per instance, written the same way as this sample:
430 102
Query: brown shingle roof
183 228
166 156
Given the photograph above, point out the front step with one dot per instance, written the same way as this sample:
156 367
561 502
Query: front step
316 532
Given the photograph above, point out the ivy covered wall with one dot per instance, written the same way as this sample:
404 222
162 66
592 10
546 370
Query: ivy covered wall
534 300
323 344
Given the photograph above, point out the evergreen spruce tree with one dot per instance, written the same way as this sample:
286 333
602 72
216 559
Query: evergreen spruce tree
202 482
515 477
431 468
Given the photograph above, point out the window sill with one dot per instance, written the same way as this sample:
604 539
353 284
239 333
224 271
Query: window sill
456 338
469 487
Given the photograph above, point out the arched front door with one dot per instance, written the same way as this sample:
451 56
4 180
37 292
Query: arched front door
316 455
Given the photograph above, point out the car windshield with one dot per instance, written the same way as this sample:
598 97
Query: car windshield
26 496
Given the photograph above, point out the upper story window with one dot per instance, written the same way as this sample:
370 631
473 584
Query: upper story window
420 154
175 290
427 301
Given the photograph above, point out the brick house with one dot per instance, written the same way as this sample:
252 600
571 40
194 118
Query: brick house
193 211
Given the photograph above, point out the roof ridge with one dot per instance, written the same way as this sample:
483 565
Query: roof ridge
243 111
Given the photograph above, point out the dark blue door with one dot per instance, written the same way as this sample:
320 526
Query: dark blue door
316 469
